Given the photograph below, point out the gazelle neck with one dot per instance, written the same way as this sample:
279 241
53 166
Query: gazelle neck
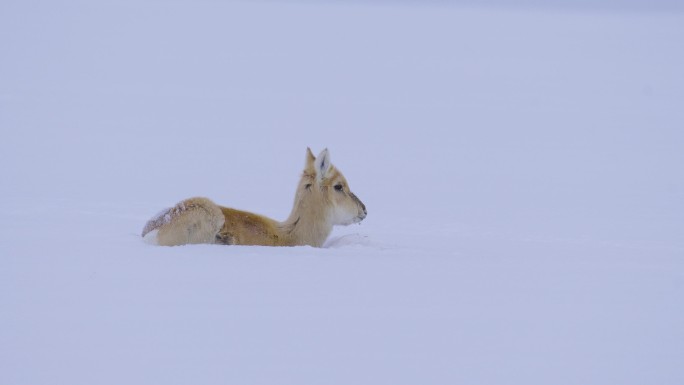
309 222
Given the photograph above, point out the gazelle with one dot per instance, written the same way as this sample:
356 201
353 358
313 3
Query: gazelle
323 199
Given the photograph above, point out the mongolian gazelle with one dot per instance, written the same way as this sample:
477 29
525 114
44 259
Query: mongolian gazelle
323 199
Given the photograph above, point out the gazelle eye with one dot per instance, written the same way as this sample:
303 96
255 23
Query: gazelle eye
338 187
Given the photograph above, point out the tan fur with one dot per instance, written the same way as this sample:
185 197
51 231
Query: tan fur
317 207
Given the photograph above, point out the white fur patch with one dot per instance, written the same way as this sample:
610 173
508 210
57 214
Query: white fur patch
342 217
151 238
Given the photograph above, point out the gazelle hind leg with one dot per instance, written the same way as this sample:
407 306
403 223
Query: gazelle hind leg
194 220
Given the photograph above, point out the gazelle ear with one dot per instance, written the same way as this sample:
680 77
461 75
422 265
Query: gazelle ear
323 164
310 159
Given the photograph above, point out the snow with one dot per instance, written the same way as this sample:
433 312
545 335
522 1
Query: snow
521 166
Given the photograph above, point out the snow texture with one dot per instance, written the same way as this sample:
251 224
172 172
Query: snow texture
521 166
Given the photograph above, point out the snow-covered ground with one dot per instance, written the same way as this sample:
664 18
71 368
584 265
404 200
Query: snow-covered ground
522 170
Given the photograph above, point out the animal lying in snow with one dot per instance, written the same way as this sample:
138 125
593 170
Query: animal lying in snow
323 199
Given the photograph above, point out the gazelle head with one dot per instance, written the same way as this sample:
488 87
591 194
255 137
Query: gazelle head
324 189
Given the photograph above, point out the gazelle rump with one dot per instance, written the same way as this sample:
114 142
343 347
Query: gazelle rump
323 200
